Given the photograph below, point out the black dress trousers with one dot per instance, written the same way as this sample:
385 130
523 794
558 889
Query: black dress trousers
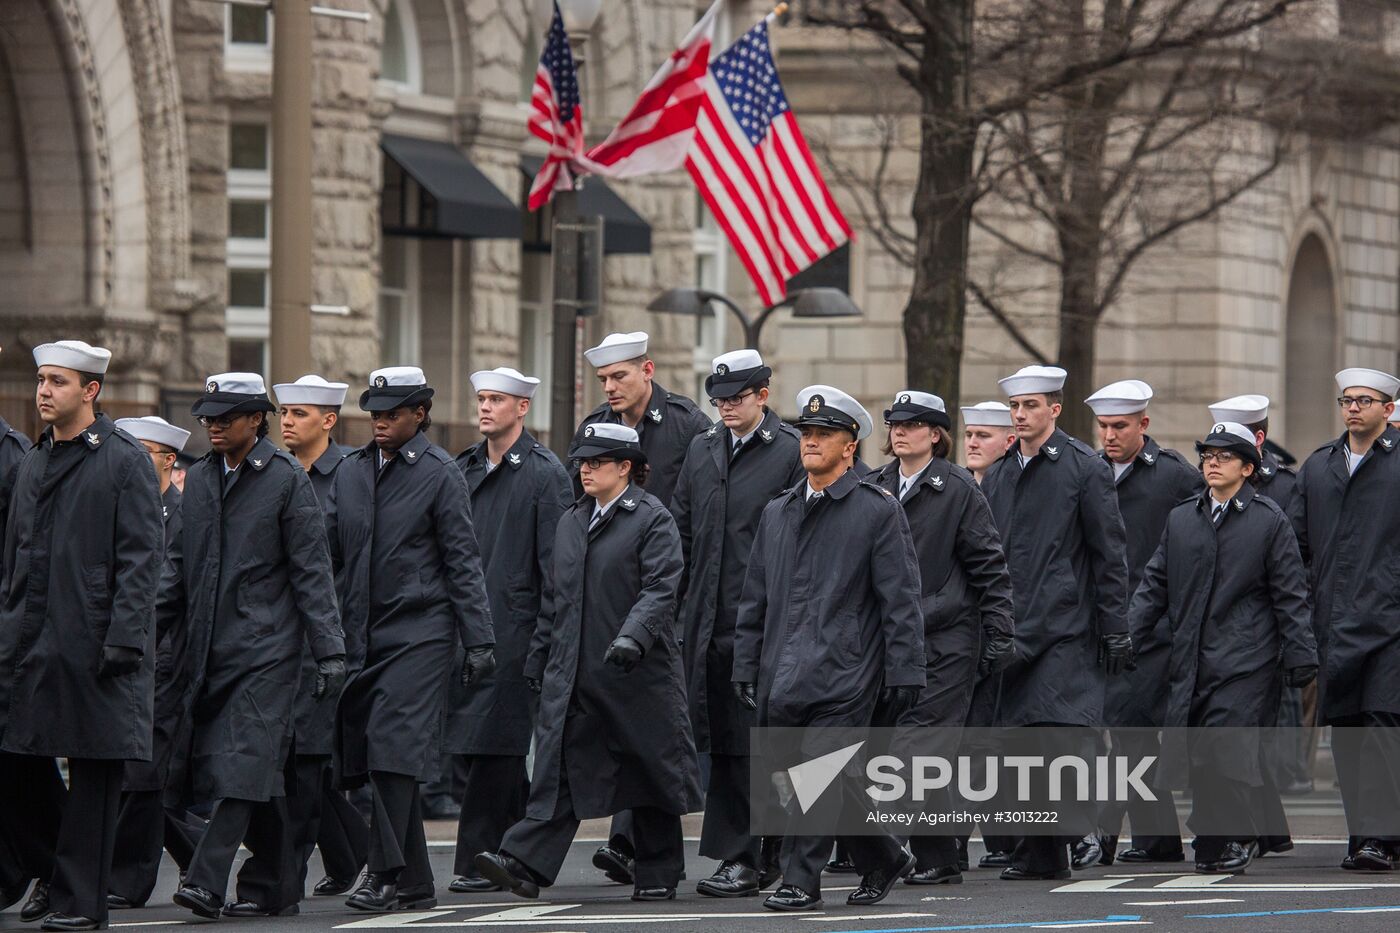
495 790
398 848
87 837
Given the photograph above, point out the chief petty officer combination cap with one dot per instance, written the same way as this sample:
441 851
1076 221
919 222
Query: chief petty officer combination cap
732 373
232 394
987 414
395 387
829 407
1384 383
1242 409
504 379
156 430
311 390
1231 435
1033 380
912 405
617 348
604 441
73 354
1121 398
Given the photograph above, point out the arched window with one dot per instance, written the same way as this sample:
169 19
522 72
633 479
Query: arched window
401 63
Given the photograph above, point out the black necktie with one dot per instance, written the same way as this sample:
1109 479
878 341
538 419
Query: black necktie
812 501
597 518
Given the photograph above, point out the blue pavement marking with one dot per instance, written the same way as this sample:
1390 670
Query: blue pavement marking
1380 908
1111 918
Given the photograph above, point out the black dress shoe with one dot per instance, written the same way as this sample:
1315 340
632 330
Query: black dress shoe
947 874
117 902
840 866
1372 856
1234 859
472 884
731 879
1020 874
875 887
507 872
375 894
254 909
1086 854
66 923
658 893
38 904
332 887
1349 862
420 898
998 859
615 866
791 897
200 902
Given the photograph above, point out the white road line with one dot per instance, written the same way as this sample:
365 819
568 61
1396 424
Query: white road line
842 918
1092 884
1203 900
149 923
528 912
1092 923
1193 882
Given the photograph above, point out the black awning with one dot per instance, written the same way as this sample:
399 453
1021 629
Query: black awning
448 196
624 230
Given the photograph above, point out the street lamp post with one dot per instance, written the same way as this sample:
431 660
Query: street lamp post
805 303
579 17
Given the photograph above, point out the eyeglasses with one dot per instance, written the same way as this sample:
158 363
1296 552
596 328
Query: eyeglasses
1219 456
731 400
222 421
1362 402
592 463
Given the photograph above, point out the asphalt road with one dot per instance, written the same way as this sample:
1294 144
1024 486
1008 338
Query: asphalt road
1302 890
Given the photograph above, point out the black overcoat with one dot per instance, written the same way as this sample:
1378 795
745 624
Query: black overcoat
1349 534
1155 482
13 446
408 572
1277 481
83 544
830 610
717 505
515 509
624 737
1066 548
314 720
665 431
964 581
257 586
1235 599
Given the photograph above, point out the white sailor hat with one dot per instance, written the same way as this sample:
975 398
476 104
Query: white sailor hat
311 390
1033 380
232 394
504 379
913 405
1384 383
607 441
73 354
395 387
733 372
1231 435
156 430
987 414
1121 398
829 407
1242 409
616 348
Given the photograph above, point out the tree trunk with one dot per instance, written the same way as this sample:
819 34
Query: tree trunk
937 307
1078 325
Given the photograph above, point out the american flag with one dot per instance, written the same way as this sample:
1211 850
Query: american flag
755 172
556 115
657 131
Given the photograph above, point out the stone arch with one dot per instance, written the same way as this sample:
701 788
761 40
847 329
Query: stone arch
1311 341
432 28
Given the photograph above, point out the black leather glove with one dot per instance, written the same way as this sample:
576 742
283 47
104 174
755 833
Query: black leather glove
625 652
118 662
747 693
897 701
534 684
480 662
1301 676
998 650
330 677
1116 653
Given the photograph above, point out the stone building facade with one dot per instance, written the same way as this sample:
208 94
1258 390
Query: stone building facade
135 180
